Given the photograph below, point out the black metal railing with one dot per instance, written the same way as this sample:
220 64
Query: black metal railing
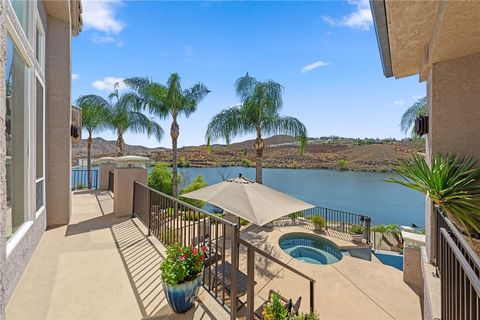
458 267
251 251
340 222
80 179
173 221
111 181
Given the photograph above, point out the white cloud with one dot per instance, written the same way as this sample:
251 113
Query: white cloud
313 66
101 15
399 102
101 39
75 76
108 84
361 18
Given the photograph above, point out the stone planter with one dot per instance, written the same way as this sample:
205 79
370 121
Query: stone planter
181 297
357 237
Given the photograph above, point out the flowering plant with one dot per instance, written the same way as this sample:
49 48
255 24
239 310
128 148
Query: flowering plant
183 263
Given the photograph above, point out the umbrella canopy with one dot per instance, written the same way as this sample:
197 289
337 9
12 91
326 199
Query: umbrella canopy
249 200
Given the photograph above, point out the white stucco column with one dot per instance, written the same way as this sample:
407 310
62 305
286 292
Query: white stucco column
123 185
453 92
58 119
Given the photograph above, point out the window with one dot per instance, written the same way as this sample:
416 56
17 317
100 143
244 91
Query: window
22 11
39 143
16 119
40 44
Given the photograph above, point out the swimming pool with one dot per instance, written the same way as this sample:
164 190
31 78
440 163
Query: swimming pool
390 258
310 248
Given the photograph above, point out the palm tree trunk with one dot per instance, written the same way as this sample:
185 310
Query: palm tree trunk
120 144
174 132
89 160
259 146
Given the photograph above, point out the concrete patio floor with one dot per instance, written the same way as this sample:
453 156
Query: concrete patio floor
98 267
102 267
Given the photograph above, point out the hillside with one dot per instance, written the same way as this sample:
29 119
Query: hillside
280 152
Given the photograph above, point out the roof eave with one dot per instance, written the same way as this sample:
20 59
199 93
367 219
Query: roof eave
379 14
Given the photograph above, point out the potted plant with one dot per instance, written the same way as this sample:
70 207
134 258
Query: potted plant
356 231
182 272
275 310
318 222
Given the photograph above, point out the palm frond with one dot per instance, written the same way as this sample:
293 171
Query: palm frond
244 86
286 125
419 108
227 124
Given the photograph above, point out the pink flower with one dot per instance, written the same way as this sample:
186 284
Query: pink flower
194 250
203 248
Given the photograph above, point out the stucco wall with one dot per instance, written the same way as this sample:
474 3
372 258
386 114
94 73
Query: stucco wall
123 198
58 118
3 196
453 92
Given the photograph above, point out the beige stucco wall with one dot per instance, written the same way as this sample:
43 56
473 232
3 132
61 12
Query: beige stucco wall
123 193
103 170
2 159
411 266
58 153
453 92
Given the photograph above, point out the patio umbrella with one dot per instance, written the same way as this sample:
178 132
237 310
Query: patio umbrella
249 200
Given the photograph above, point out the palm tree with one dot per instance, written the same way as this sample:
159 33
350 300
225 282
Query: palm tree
124 114
94 118
419 108
170 100
258 113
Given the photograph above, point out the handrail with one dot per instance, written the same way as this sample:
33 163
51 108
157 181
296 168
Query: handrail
230 223
283 264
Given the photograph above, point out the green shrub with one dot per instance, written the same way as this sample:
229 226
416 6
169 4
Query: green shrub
342 165
183 163
182 263
246 163
305 316
243 222
318 222
356 229
275 309
161 179
198 183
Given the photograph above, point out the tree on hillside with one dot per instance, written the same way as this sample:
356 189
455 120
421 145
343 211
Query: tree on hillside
94 119
169 100
124 113
419 108
258 113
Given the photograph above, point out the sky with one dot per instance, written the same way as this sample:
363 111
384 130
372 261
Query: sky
324 53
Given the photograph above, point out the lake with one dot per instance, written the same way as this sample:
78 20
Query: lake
358 192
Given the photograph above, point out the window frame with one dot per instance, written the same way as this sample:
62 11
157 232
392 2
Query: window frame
36 180
39 25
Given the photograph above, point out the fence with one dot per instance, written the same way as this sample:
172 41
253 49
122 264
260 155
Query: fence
111 180
389 241
458 267
335 220
171 220
80 179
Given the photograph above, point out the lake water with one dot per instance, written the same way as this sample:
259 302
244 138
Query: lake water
358 192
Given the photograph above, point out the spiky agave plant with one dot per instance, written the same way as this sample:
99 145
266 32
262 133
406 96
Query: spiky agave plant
451 182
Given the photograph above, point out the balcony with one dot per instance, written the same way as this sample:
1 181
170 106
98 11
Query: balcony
100 266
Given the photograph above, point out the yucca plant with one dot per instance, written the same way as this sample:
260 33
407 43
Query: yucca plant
451 182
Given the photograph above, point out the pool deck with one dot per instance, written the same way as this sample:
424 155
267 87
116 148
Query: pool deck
349 289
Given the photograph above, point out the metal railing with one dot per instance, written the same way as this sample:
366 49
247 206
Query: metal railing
251 250
173 221
111 181
458 267
335 220
80 179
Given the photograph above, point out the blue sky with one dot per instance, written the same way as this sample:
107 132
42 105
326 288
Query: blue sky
324 53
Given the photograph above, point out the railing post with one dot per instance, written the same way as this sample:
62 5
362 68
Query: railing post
233 279
149 204
251 281
312 303
368 221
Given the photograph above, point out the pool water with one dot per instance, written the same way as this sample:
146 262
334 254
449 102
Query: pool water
310 248
391 259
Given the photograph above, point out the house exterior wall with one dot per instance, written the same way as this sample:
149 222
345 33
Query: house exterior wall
453 93
3 192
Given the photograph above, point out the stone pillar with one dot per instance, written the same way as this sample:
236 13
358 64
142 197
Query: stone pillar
453 92
104 169
58 119
123 193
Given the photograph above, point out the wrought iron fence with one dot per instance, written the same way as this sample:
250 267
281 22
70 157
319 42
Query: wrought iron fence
173 221
80 179
336 221
111 181
458 267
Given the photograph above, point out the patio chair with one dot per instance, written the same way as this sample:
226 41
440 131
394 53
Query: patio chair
294 308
